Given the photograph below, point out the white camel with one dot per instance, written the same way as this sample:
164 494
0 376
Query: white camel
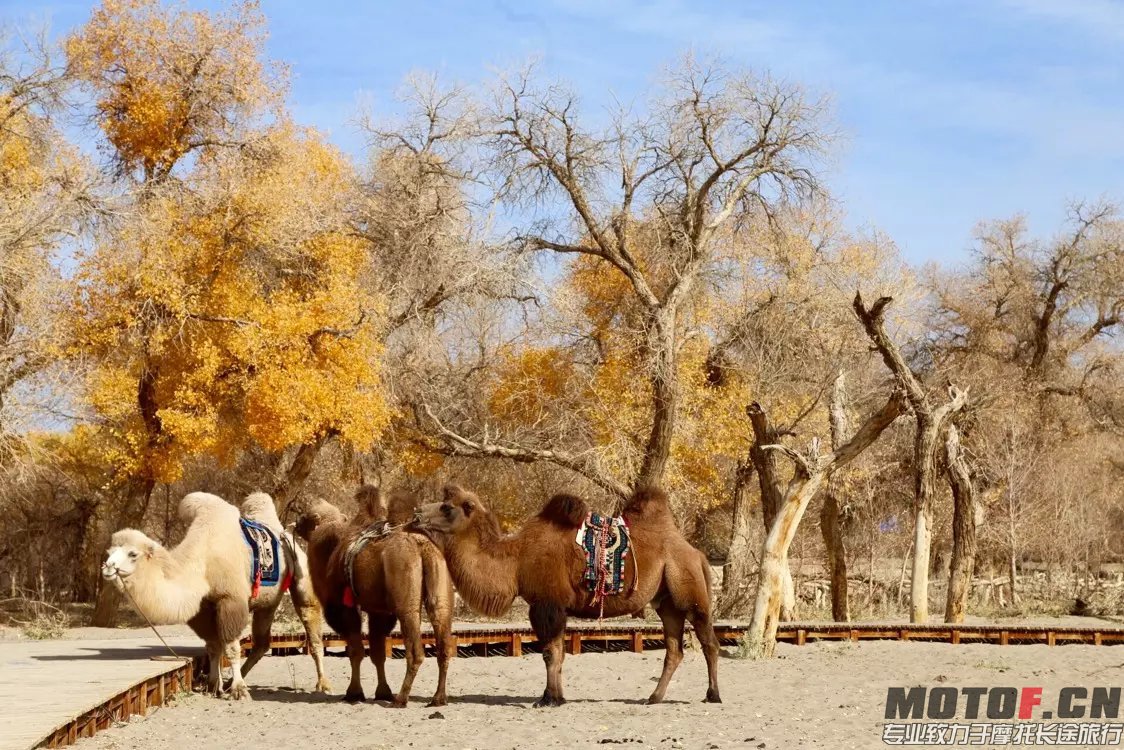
206 582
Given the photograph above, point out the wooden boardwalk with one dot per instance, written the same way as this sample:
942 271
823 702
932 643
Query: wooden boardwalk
55 691
513 639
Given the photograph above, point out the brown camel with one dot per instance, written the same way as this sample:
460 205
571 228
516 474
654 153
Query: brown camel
393 576
542 563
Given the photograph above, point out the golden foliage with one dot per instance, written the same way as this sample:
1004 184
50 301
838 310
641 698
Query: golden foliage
169 80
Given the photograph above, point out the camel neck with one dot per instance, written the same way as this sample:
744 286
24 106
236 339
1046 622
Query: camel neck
167 587
484 567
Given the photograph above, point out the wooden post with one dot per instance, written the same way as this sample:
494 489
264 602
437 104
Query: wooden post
904 634
854 634
516 646
637 642
1097 640
1004 638
801 636
1051 638
575 642
955 636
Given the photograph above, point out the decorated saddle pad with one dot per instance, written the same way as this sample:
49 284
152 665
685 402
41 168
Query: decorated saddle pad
266 549
606 543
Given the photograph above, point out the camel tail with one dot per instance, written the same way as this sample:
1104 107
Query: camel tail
568 511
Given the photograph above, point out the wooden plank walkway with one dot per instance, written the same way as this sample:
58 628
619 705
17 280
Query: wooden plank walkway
56 691
512 639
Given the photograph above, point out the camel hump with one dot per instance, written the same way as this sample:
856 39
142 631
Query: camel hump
258 506
201 503
565 510
400 507
647 500
317 513
370 504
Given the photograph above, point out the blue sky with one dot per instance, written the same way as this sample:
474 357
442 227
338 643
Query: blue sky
952 111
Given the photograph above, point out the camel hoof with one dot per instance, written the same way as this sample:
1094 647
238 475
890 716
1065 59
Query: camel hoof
437 701
654 699
384 694
354 696
323 686
712 696
549 701
240 691
396 704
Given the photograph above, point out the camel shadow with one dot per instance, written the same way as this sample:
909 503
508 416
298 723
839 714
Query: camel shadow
291 695
112 654
526 702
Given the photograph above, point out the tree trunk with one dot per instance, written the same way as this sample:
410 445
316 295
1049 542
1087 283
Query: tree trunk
761 636
831 528
832 518
290 485
772 493
665 403
930 425
963 562
736 576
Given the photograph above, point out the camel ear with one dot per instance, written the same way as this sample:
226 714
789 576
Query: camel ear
452 491
149 549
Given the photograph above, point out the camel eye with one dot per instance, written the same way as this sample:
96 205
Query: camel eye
132 555
467 508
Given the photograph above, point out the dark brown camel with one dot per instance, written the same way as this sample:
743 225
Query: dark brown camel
393 577
542 563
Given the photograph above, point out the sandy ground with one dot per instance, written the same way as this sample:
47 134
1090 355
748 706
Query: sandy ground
823 695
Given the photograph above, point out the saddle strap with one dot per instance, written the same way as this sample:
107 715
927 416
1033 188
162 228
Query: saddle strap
375 531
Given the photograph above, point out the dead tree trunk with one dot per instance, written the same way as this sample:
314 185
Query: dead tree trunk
833 515
811 473
772 493
930 426
963 562
739 562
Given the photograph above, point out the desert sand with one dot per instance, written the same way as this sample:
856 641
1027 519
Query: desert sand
822 695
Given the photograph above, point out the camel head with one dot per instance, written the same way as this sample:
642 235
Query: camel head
128 549
458 510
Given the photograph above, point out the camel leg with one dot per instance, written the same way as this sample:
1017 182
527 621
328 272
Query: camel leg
410 623
260 628
214 668
308 609
355 650
548 620
672 619
704 630
232 615
379 627
238 687
440 614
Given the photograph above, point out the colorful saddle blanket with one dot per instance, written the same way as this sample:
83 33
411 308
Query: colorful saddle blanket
266 550
606 543
372 533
